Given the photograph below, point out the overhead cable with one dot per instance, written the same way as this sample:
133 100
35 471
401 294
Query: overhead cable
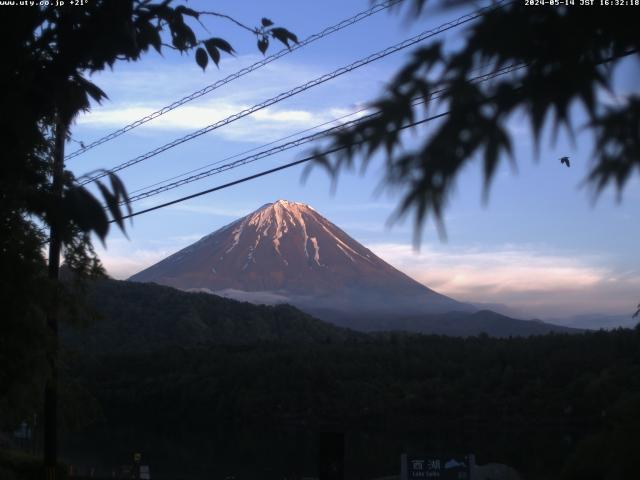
378 7
297 90
245 152
270 171
155 189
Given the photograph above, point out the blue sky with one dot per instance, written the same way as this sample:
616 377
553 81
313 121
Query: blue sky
539 245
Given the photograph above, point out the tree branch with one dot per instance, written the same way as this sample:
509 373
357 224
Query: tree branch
231 19
169 46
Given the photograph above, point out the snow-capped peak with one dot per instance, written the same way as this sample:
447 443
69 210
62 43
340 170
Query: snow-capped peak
288 247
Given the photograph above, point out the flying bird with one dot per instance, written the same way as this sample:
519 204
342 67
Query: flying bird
565 160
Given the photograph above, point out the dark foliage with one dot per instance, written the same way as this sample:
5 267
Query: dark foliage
24 293
392 382
456 324
49 53
44 84
567 57
137 317
393 376
16 465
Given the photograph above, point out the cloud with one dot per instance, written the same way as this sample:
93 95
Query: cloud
122 264
266 297
366 206
122 258
191 117
133 96
264 125
209 210
166 81
186 238
235 211
531 279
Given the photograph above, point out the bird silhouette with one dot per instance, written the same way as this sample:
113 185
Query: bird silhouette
565 160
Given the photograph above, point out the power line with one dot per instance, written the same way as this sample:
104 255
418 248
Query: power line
245 152
336 149
479 78
243 161
150 191
252 158
270 171
240 73
299 89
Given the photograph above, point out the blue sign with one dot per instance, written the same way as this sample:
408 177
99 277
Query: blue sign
23 432
441 467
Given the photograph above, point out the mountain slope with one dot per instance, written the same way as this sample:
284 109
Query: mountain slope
288 252
596 321
137 318
454 324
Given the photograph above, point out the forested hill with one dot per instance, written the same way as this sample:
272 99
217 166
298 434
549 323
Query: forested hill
392 375
568 400
452 324
135 317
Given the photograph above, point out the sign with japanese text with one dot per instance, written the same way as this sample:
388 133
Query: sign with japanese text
441 467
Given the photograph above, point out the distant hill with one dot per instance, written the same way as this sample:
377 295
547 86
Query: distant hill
456 324
139 317
136 317
596 321
287 253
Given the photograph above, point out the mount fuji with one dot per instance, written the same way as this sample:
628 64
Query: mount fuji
286 252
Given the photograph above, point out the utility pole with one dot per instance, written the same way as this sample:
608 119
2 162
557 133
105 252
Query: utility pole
331 455
55 244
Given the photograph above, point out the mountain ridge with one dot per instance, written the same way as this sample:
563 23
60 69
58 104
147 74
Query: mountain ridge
138 318
135 317
288 251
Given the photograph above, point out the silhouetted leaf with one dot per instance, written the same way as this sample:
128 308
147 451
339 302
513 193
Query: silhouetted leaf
283 35
112 204
263 44
84 210
92 89
266 22
120 191
201 58
293 36
213 51
617 146
552 76
280 34
151 35
222 45
187 11
182 37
